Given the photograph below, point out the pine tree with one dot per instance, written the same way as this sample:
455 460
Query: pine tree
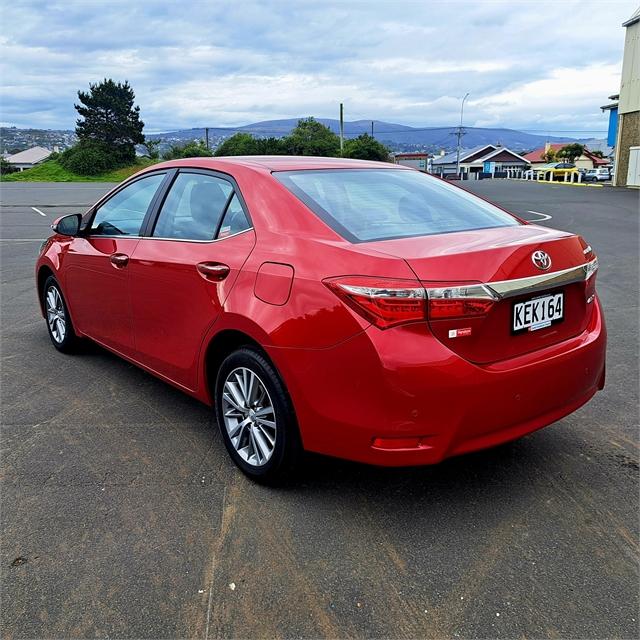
110 119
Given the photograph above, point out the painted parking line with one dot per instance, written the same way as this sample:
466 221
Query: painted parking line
543 216
40 212
21 239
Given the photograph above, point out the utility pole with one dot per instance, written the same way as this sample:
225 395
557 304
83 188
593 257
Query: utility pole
372 128
341 128
459 134
206 137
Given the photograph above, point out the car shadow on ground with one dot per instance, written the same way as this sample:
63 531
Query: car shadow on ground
514 463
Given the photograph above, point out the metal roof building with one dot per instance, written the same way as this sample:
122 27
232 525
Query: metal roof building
29 158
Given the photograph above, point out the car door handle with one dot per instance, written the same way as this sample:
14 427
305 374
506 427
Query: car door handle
214 271
119 260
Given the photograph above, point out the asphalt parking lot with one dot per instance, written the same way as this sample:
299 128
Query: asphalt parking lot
123 517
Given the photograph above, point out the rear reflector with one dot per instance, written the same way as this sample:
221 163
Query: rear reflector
397 444
385 302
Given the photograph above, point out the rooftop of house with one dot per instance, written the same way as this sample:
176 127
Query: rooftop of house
536 154
411 155
465 154
29 156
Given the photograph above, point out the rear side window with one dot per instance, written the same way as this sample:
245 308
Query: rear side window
193 208
123 214
235 219
371 204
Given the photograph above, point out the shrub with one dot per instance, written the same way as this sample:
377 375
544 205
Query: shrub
193 149
88 158
6 168
244 144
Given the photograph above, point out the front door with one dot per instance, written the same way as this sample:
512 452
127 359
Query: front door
97 265
182 273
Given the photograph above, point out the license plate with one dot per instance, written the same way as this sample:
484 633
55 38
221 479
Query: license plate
537 313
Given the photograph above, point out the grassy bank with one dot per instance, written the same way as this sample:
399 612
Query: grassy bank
53 171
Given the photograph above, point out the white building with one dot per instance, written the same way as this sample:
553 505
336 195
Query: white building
421 161
28 158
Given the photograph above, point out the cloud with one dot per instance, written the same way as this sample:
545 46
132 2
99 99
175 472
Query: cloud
194 63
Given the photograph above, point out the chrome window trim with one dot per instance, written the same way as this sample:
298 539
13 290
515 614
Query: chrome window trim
520 286
122 236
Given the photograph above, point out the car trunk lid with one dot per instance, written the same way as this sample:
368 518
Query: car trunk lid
457 264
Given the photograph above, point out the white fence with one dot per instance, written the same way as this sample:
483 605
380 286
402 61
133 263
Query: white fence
542 175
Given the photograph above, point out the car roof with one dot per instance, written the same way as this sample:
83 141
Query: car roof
281 163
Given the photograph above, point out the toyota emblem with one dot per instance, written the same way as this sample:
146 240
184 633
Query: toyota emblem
541 259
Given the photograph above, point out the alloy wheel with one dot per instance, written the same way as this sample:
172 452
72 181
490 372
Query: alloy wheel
249 416
56 316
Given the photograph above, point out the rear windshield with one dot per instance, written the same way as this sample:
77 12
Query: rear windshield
380 204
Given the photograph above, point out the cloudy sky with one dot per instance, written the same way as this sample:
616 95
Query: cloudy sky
542 66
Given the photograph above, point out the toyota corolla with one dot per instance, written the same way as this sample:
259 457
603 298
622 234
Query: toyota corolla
355 309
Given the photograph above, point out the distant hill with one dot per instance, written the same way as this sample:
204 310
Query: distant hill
396 136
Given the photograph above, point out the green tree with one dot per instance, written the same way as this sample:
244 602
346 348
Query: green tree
549 156
597 153
312 138
244 144
571 151
270 147
365 147
239 144
152 147
108 117
192 149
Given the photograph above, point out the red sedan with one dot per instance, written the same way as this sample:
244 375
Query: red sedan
356 309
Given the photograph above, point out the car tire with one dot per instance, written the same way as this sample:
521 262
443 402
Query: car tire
59 323
256 417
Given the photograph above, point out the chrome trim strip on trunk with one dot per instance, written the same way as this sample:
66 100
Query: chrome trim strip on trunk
520 286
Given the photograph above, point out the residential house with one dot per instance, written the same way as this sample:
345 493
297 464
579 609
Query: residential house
416 160
586 161
28 158
485 159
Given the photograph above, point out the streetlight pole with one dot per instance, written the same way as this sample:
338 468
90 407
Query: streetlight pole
460 134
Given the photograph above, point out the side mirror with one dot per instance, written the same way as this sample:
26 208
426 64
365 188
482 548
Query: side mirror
67 225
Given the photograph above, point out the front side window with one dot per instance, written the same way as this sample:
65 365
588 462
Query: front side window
193 208
379 204
123 214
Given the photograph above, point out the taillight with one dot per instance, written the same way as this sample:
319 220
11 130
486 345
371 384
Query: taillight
459 301
385 302
590 271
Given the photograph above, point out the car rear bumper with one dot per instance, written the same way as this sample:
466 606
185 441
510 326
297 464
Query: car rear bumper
399 397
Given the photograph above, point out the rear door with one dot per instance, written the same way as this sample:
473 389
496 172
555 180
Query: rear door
182 271
96 267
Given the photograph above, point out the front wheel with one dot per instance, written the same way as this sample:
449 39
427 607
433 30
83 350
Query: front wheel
256 417
59 323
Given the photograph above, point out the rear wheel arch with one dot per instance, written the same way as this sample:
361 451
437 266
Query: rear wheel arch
220 346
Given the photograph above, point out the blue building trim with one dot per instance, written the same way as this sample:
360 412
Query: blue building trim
613 127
